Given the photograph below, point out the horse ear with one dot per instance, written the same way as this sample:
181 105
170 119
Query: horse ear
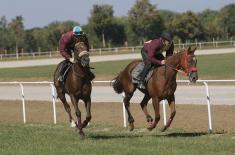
189 48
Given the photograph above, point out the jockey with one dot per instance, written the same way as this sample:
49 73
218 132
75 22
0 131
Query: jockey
152 54
66 46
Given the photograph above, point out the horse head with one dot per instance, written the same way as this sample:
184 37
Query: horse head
188 64
81 54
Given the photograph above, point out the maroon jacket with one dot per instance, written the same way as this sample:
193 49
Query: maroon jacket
157 46
67 42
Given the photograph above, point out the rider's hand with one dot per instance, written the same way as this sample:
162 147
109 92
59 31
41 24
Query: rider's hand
163 62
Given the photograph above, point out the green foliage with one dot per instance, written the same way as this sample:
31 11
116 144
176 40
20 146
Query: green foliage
145 20
209 18
106 26
187 26
227 20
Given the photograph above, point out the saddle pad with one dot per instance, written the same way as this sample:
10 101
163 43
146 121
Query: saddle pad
137 70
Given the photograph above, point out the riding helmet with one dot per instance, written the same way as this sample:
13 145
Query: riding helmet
166 35
77 31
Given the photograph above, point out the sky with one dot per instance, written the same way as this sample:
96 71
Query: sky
39 13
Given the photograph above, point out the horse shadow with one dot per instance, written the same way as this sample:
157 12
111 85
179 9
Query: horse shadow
133 136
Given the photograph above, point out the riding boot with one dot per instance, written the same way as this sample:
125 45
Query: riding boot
143 75
62 70
91 75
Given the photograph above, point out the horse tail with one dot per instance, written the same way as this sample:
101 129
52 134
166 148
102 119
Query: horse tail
117 85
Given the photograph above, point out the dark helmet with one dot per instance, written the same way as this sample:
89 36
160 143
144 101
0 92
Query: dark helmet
166 35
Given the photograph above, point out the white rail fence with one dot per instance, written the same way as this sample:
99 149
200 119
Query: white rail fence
53 98
53 53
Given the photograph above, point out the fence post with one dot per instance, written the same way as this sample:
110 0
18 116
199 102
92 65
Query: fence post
124 111
133 49
208 106
53 102
23 102
164 111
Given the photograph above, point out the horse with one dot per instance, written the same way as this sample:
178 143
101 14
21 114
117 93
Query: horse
161 85
77 86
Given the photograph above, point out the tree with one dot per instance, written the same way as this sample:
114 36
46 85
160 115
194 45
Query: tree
17 27
209 18
144 20
101 19
56 29
188 26
226 20
167 17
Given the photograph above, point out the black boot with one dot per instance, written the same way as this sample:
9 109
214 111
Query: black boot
62 70
143 75
91 75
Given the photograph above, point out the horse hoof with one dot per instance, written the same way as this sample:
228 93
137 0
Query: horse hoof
151 126
81 134
164 129
84 124
131 127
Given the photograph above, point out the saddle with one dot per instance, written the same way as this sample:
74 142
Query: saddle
137 71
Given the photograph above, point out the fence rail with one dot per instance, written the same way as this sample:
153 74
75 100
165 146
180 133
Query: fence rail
53 95
100 51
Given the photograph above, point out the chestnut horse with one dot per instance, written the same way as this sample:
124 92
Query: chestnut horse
77 86
161 85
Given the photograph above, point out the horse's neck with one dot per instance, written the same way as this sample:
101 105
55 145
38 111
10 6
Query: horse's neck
174 60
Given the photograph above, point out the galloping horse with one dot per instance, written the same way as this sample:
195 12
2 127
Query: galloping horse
77 86
161 85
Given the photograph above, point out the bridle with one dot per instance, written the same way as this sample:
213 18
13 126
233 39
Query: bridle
181 70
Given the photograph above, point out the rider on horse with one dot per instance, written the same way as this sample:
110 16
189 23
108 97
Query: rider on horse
152 54
66 45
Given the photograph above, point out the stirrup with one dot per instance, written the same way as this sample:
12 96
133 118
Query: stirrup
141 85
60 78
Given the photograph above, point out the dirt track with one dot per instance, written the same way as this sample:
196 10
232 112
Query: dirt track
188 117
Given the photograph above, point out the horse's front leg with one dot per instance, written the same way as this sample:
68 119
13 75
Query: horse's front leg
155 101
171 102
126 101
143 105
66 107
75 100
87 102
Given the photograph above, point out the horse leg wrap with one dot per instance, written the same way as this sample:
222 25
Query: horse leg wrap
149 119
169 121
131 120
79 123
85 122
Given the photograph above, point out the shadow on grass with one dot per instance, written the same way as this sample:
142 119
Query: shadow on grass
185 134
175 134
114 136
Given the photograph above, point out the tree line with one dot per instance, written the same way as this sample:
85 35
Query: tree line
143 22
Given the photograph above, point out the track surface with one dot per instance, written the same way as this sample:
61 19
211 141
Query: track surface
219 95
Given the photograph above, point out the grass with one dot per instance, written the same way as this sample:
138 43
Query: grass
219 66
105 139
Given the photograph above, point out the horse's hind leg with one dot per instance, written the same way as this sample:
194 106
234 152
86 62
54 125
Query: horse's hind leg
171 102
126 101
88 112
66 107
143 104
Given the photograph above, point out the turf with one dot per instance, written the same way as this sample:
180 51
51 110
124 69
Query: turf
102 139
